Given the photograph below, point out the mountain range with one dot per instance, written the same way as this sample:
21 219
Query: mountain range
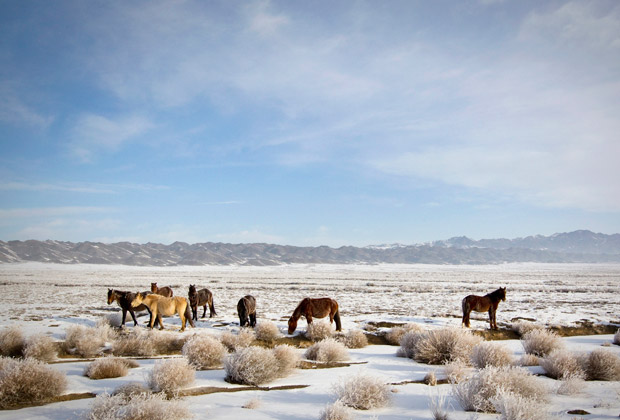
579 246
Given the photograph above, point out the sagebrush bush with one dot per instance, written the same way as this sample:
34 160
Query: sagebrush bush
12 341
363 392
109 367
395 334
88 341
204 351
353 339
130 389
138 407
476 393
456 371
287 359
28 381
440 346
233 342
137 343
513 406
560 364
430 378
336 411
601 365
490 354
571 385
529 360
41 347
267 331
327 350
171 375
251 366
319 330
541 342
522 327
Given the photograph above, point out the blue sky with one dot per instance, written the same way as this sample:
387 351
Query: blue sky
308 123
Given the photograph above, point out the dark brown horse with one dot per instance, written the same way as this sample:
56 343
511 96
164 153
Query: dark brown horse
123 299
488 302
202 297
246 308
315 308
164 291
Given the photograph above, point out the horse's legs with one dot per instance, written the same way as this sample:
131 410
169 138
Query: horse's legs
194 312
183 319
124 316
161 322
337 319
204 312
466 318
492 324
133 316
309 319
253 320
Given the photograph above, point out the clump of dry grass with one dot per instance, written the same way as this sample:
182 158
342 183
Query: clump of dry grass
319 330
41 347
109 367
136 343
353 339
171 375
439 346
251 366
28 381
490 354
477 392
267 331
233 342
617 337
430 378
522 327
601 365
438 407
570 385
336 411
560 364
327 350
252 404
513 406
138 407
529 360
130 389
204 351
541 342
12 341
287 359
456 371
363 392
395 334
88 341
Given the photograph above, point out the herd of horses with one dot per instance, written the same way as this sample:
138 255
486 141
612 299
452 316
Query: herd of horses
159 301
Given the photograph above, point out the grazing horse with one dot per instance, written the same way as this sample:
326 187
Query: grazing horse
317 308
488 302
161 305
123 299
202 297
246 308
164 291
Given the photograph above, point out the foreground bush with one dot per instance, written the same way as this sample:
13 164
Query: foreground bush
541 342
327 350
41 347
395 334
87 341
143 343
204 352
267 331
516 407
601 365
171 375
477 392
28 381
353 339
561 364
109 367
319 330
439 346
363 392
523 327
490 354
336 411
12 342
137 407
233 342
287 358
251 366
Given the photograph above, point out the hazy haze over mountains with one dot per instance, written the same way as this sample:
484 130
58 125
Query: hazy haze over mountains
577 246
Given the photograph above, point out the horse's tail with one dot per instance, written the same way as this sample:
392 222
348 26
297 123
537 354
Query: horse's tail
466 310
188 314
337 319
211 306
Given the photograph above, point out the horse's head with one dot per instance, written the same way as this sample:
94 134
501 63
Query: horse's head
292 325
110 296
502 293
192 289
153 287
137 300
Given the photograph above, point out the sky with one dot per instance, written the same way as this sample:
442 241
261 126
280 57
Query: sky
308 123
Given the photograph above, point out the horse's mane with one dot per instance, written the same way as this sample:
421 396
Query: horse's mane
302 305
497 295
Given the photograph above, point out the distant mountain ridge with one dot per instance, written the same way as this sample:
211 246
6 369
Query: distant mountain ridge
579 246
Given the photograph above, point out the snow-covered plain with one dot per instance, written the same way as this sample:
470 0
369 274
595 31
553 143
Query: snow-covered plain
48 298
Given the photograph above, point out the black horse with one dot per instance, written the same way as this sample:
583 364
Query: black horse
202 297
124 301
246 308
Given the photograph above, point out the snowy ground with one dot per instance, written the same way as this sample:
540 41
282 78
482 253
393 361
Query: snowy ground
48 298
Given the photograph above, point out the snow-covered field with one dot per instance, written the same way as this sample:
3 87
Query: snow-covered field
48 298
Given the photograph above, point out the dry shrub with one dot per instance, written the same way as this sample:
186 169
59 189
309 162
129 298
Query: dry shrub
490 354
233 342
395 334
617 337
522 327
353 339
251 366
319 330
440 346
138 343
529 360
430 378
167 342
560 364
138 407
171 375
88 341
267 331
541 342
438 407
252 404
513 406
28 381
287 358
12 342
327 350
336 411
204 351
477 392
456 371
109 367
41 347
601 365
130 389
571 385
363 392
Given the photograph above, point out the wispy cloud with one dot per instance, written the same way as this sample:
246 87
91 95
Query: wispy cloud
87 188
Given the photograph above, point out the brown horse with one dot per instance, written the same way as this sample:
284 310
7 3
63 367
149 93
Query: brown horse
488 302
123 299
246 308
202 297
163 291
167 306
317 308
